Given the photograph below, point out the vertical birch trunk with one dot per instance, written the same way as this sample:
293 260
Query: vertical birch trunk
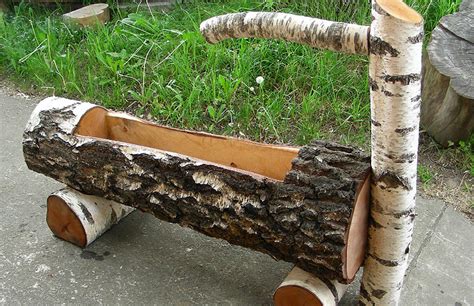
396 37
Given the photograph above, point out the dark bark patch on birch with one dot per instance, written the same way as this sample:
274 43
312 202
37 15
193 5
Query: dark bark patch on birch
381 47
86 213
391 180
374 223
332 288
384 262
373 84
379 293
375 123
416 98
390 94
407 213
416 39
365 294
335 33
403 79
405 131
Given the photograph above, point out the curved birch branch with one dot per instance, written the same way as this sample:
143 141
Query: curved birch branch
317 33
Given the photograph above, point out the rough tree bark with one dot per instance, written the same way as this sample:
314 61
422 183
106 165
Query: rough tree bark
317 33
79 218
306 219
447 111
303 288
396 36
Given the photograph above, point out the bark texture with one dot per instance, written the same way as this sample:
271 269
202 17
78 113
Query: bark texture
302 288
96 215
448 83
395 91
303 219
317 33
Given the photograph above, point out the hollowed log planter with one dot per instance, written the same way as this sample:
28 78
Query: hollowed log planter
305 205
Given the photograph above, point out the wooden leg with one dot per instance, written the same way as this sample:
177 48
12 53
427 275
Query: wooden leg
79 218
302 288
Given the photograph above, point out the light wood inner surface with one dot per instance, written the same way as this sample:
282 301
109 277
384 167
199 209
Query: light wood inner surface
272 161
64 223
399 9
295 295
356 236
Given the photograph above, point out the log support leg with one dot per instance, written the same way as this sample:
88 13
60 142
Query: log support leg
79 218
302 288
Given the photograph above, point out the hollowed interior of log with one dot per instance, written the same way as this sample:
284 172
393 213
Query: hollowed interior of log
64 223
272 161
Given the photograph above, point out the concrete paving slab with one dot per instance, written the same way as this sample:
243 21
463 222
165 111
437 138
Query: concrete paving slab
143 260
443 273
428 211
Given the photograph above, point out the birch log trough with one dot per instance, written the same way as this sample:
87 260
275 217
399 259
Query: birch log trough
295 204
79 218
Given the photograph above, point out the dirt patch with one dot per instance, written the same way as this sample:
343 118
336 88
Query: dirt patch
450 179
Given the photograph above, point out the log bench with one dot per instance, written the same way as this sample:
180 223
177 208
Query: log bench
306 205
447 111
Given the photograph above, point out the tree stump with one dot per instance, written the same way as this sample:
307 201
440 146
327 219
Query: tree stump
93 14
447 111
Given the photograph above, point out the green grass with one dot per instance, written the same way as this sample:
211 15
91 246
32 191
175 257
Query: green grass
159 64
425 175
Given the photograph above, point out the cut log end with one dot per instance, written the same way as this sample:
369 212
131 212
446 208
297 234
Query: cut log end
64 223
301 288
98 13
400 10
81 219
295 295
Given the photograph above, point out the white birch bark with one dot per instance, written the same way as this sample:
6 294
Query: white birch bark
317 33
396 36
323 291
97 215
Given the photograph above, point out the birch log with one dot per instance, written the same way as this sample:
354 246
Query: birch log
301 288
317 33
396 36
79 218
316 217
